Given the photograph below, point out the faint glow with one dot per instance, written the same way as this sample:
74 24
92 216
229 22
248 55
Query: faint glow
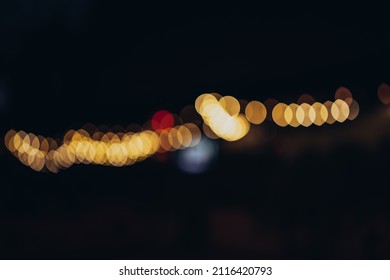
384 93
209 132
164 141
162 120
189 114
195 134
328 106
186 136
8 140
255 112
342 93
353 108
199 158
306 98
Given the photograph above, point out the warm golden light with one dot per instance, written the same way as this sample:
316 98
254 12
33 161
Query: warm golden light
320 114
340 110
278 114
222 116
186 134
290 115
255 112
231 105
196 135
304 111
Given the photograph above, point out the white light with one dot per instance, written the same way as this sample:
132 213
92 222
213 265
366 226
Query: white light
199 158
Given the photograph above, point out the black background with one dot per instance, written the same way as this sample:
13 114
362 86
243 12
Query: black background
66 63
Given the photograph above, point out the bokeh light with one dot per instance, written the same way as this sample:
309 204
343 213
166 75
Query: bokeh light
114 149
303 114
198 159
209 132
290 115
353 108
278 114
384 93
306 98
255 112
162 119
231 105
342 93
223 117
320 114
340 110
328 105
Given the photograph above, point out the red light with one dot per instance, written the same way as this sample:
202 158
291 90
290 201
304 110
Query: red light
162 120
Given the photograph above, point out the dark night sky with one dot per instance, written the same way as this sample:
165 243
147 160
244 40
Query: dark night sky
66 63
92 62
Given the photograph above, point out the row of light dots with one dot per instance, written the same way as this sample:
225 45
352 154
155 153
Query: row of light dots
222 117
115 149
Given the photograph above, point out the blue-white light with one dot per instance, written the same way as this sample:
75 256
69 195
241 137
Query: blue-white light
199 158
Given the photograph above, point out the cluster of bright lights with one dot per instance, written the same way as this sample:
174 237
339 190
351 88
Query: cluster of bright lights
222 115
114 149
306 114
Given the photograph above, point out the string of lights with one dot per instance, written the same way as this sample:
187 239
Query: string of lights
223 117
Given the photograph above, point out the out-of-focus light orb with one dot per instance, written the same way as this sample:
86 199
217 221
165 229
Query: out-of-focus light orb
278 114
303 114
219 119
340 110
209 132
186 134
255 112
328 105
231 105
162 119
342 93
306 98
196 135
199 158
320 114
353 108
384 93
202 99
290 115
189 114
